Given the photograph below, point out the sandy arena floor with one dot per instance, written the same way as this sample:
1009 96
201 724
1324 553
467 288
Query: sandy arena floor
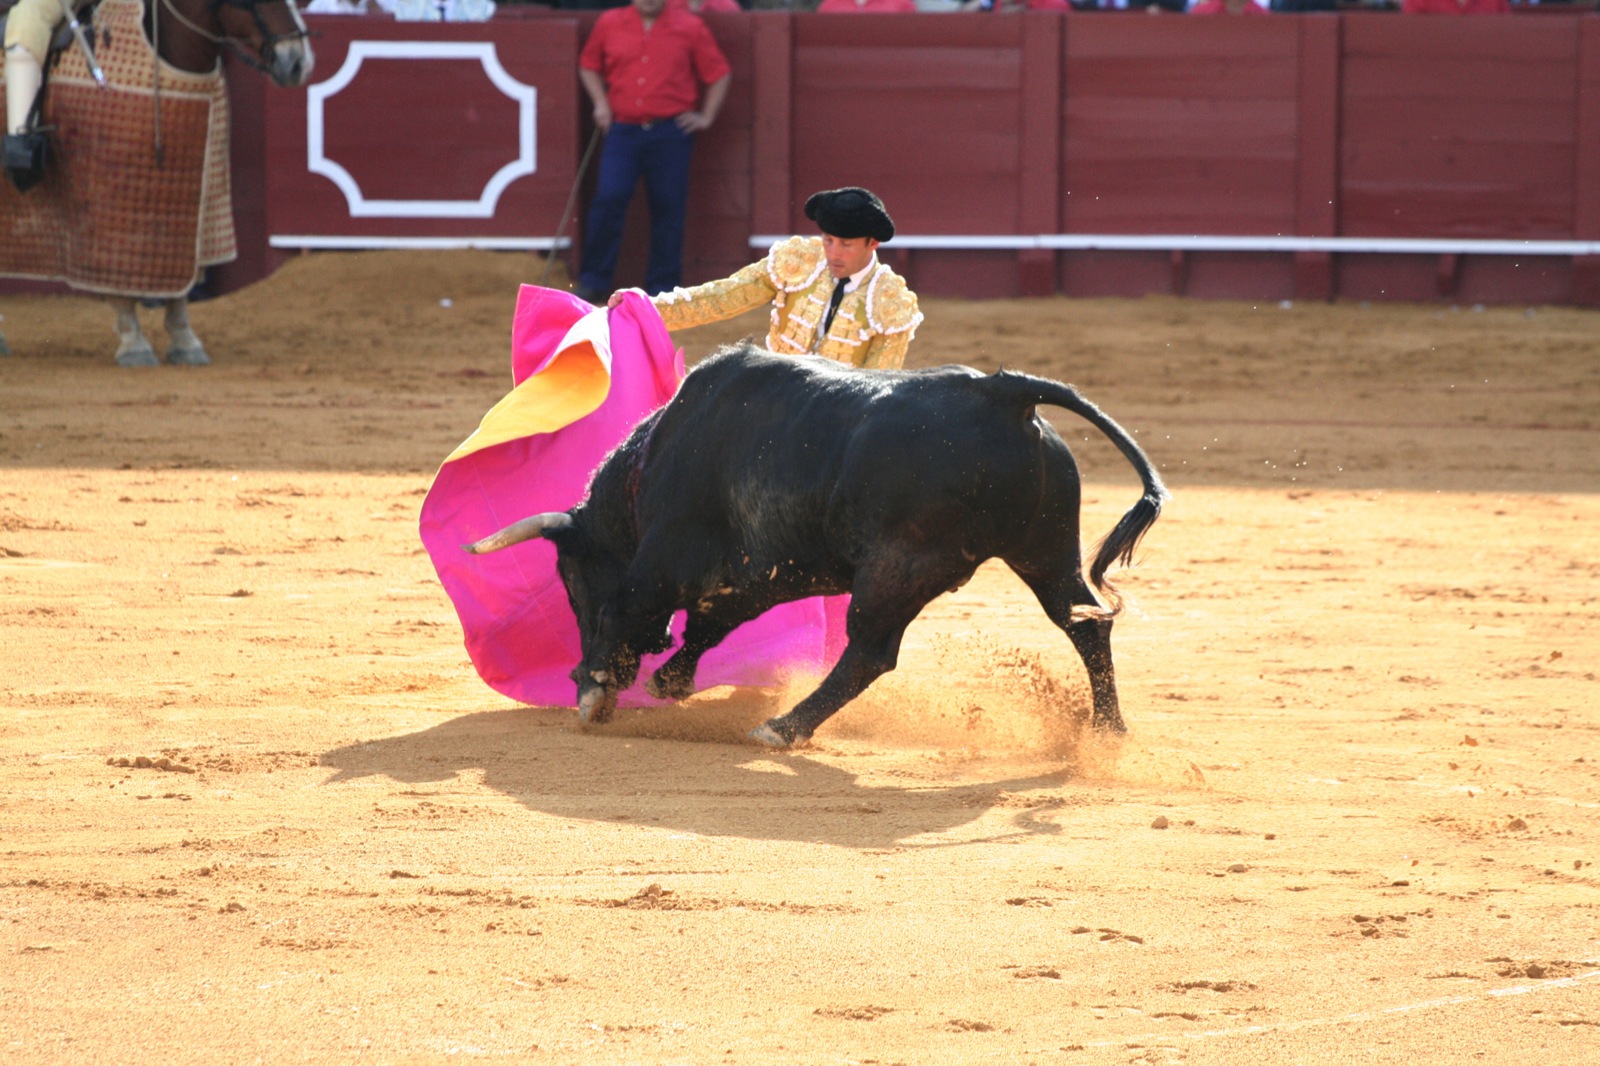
1355 820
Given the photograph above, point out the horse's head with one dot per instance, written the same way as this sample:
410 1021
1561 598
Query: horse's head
268 34
273 30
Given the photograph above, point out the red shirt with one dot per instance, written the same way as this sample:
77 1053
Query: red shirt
871 7
714 7
1456 7
652 75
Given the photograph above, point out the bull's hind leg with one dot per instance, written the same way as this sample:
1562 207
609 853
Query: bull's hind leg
1090 632
883 602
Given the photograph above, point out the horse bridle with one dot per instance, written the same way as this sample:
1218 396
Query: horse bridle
269 40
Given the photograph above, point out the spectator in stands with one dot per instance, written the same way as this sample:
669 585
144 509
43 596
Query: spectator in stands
713 7
871 7
1227 7
1011 7
1153 7
644 67
1455 7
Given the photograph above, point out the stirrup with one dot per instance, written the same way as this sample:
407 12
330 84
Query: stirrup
25 157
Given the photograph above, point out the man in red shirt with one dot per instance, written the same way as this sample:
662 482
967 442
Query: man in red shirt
643 68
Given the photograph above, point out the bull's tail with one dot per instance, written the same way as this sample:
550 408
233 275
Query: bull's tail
1120 543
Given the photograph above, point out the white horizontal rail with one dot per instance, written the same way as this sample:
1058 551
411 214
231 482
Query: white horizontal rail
1194 243
498 244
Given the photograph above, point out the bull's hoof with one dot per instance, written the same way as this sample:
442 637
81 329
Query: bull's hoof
774 738
1110 725
188 357
595 706
136 355
668 689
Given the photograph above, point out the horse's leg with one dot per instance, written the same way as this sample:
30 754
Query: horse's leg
183 347
132 347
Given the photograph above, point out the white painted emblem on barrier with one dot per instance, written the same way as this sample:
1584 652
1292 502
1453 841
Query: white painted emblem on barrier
361 207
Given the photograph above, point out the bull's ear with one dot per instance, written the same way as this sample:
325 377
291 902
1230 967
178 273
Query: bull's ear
540 525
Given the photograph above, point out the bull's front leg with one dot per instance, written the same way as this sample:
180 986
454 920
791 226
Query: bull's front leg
613 665
599 686
707 626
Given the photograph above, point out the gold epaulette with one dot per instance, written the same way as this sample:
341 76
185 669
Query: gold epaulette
891 306
794 263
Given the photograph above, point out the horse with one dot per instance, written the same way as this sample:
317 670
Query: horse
182 99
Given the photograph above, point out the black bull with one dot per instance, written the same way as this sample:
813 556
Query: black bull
768 479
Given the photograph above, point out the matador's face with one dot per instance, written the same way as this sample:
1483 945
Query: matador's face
847 255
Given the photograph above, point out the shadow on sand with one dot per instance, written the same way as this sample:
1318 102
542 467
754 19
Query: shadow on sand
688 768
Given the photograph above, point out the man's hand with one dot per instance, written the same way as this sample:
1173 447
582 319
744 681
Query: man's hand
693 121
602 116
615 301
710 105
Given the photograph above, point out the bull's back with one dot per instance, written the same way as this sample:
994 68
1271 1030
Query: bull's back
754 441
943 458
805 455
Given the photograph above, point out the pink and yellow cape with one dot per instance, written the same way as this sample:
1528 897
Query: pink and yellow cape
583 378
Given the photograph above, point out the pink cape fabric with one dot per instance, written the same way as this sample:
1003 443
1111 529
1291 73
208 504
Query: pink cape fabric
518 624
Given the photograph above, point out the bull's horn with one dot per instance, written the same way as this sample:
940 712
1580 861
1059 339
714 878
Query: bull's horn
517 532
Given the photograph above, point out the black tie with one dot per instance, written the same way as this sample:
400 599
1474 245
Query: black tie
833 305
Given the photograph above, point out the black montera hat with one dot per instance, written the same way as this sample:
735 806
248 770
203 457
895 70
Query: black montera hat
849 213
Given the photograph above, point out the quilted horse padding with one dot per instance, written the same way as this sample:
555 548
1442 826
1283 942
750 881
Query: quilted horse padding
110 216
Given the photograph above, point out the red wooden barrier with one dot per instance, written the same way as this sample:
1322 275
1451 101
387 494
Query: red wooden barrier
1264 158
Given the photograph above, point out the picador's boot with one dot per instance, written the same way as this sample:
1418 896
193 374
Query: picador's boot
24 148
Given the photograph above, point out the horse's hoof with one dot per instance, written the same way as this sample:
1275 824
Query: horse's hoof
187 357
144 356
765 734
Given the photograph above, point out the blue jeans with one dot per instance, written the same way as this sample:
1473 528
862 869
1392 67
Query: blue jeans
659 152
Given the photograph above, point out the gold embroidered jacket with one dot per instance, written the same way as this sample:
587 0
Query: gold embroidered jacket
872 327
